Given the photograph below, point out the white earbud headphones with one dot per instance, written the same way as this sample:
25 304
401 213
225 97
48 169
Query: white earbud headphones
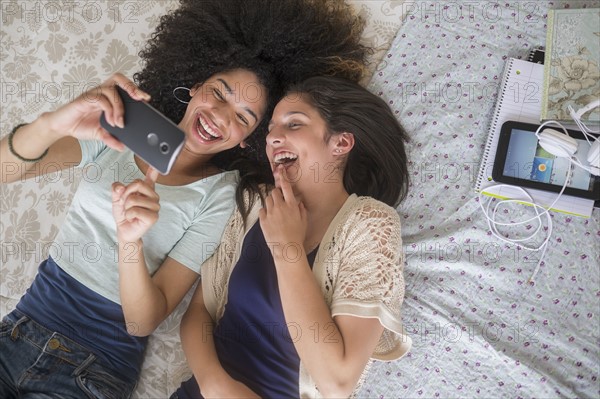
557 144
564 146
560 145
577 115
593 157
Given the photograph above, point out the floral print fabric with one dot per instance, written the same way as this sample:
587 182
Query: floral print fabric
573 76
479 329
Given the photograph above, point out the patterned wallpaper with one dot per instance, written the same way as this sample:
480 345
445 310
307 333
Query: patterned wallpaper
51 52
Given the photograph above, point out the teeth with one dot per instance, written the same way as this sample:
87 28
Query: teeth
208 129
284 157
203 136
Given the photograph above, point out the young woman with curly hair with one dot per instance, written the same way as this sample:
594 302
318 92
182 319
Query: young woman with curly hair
303 291
81 328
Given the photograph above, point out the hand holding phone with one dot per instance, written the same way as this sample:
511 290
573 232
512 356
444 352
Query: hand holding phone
148 133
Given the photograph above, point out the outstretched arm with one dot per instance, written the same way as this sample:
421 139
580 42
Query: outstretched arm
58 131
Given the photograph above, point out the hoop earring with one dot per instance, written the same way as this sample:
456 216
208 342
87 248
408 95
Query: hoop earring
247 148
179 99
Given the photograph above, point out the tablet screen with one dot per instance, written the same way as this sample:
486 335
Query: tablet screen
526 159
521 161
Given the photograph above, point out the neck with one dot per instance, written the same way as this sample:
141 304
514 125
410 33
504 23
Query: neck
321 207
190 164
188 168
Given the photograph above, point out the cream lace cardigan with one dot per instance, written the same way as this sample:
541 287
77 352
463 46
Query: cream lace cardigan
358 266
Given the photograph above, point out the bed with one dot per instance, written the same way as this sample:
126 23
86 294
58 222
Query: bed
478 328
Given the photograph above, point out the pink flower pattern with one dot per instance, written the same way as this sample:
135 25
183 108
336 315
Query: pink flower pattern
479 328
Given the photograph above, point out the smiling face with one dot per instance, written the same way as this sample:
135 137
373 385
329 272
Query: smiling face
298 139
223 111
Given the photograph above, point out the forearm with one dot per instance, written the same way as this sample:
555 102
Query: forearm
316 336
199 348
197 342
29 141
144 305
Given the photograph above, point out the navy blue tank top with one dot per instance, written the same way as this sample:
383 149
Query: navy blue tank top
252 338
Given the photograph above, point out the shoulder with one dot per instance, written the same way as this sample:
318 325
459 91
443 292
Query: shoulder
98 152
224 182
370 207
253 202
367 211
363 227
212 194
256 198
368 231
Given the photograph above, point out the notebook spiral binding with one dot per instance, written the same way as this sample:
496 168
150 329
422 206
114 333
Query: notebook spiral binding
536 55
481 176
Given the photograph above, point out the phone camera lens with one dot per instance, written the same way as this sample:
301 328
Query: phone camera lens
152 139
164 148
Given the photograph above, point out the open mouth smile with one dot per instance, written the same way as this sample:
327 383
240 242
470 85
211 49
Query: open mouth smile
205 130
285 158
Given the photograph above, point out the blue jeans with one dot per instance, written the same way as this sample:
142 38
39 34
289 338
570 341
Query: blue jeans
38 363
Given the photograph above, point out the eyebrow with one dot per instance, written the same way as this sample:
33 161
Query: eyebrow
288 114
296 112
230 92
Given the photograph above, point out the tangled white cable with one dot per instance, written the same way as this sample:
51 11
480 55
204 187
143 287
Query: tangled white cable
559 145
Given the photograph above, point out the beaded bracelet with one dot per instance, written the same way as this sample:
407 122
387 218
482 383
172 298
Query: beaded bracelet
12 149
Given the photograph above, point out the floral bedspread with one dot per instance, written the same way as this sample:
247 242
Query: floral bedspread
479 329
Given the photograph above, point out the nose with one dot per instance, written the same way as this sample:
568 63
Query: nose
222 114
275 136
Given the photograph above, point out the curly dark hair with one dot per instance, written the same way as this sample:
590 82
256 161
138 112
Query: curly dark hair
282 41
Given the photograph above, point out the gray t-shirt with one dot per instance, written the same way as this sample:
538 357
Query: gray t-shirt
191 220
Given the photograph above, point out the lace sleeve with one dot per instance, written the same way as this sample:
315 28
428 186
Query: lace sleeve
370 281
216 270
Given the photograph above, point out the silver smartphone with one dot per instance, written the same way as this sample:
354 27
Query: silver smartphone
148 133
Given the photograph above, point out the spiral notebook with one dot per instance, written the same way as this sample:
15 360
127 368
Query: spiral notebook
519 99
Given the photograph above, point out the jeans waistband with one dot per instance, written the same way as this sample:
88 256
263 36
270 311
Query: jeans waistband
55 344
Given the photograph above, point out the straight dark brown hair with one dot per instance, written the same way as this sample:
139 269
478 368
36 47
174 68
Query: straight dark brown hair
377 166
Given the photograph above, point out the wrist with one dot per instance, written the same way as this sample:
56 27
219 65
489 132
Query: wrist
126 242
45 122
130 250
212 382
290 252
18 154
